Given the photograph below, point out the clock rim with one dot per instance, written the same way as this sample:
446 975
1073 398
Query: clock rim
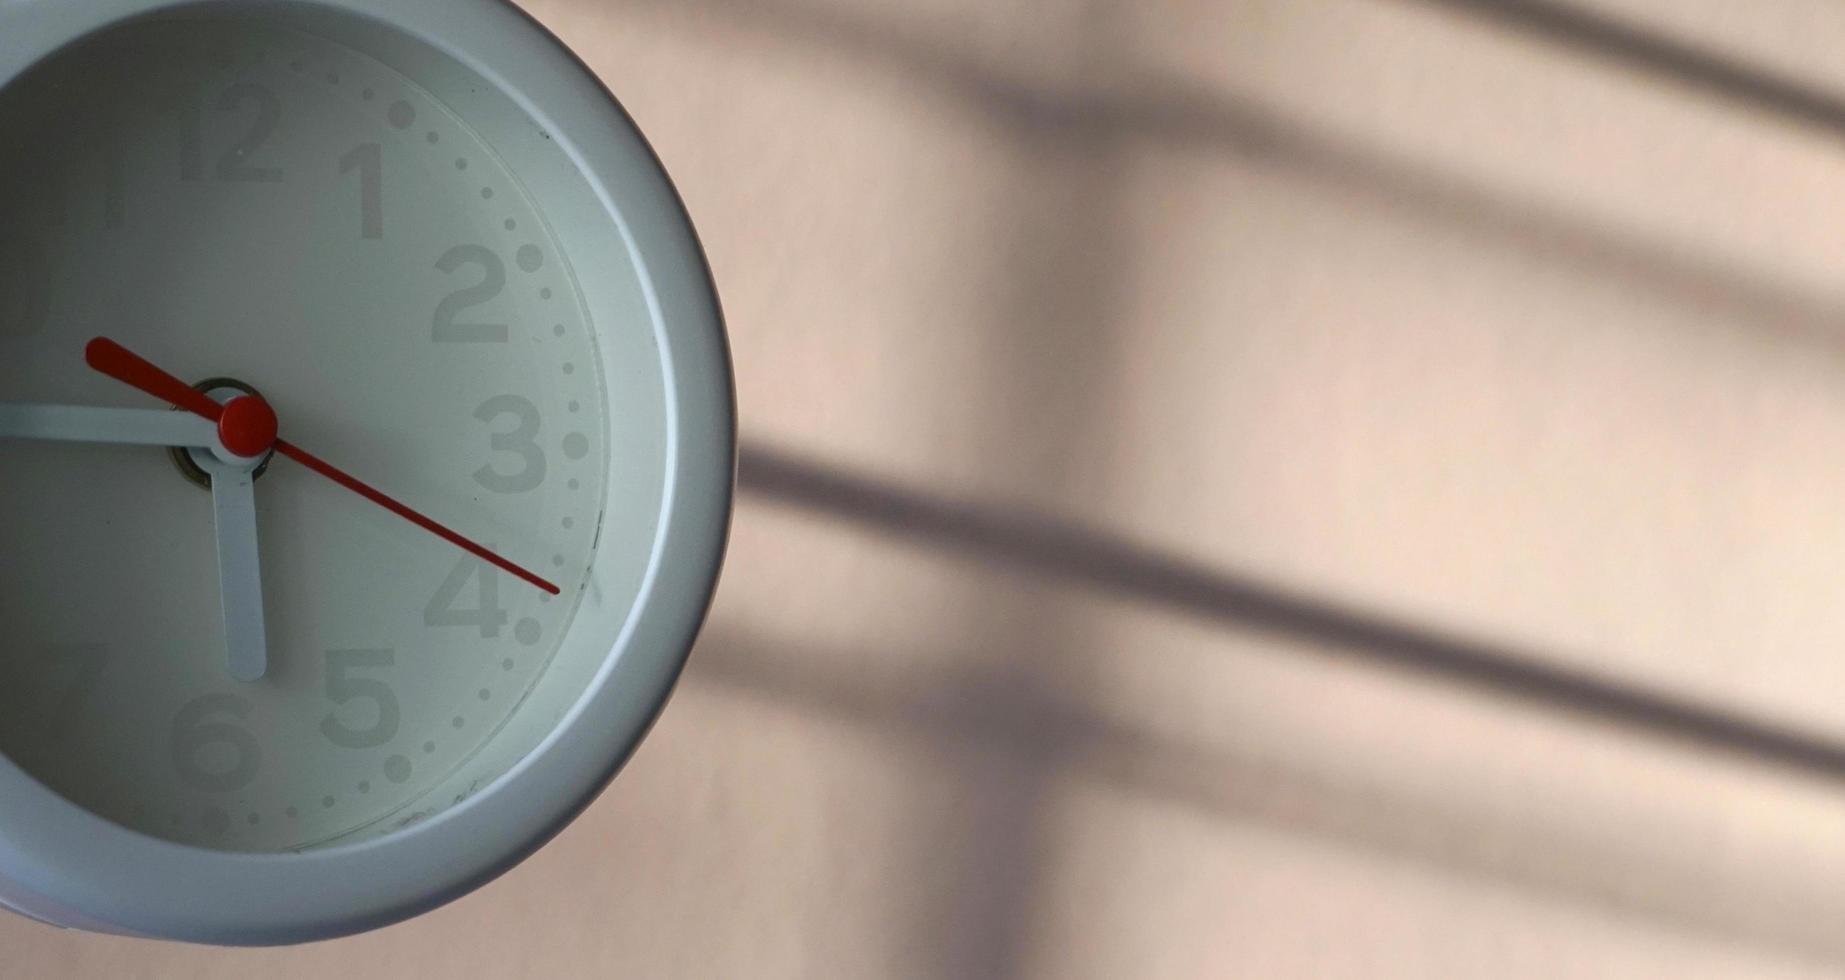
62 864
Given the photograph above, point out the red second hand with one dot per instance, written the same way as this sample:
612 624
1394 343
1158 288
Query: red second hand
346 480
123 365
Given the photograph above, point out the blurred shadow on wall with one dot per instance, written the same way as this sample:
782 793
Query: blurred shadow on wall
1630 47
1154 108
1031 544
1013 739
1079 139
1056 327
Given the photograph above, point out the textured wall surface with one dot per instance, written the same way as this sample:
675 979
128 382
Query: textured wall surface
1254 487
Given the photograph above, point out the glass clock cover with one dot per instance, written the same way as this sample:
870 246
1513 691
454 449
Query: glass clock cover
443 286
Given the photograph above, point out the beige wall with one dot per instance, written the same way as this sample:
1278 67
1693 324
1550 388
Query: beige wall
1256 487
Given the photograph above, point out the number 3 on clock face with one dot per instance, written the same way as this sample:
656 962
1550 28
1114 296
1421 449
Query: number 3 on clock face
480 297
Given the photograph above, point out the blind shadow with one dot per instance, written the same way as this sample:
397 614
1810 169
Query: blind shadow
1014 740
986 725
1150 108
1037 545
1056 331
979 892
1635 49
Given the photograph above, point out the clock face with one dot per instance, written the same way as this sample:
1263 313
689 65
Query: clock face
258 208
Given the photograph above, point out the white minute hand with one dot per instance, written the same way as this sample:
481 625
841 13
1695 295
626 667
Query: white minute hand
240 578
132 426
233 498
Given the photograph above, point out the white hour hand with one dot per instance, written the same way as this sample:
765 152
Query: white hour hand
133 426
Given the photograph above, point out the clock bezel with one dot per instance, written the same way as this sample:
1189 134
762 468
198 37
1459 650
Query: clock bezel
62 864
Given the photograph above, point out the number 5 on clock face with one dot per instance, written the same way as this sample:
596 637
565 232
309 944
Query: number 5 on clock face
345 686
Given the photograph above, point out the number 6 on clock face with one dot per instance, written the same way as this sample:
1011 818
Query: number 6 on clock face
347 240
207 727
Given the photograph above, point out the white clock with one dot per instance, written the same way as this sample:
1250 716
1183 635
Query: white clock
366 450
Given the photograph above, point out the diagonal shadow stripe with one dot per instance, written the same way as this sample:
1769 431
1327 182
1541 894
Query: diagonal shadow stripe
1035 544
984 720
1634 48
1173 111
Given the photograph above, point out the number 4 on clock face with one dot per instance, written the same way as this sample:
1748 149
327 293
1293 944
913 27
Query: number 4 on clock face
487 615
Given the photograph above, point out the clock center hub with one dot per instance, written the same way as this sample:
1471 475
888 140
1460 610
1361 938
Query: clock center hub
250 425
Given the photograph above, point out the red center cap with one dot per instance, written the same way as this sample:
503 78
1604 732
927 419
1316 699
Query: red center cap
248 426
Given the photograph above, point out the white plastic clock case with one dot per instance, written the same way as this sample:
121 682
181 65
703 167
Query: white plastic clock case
64 865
